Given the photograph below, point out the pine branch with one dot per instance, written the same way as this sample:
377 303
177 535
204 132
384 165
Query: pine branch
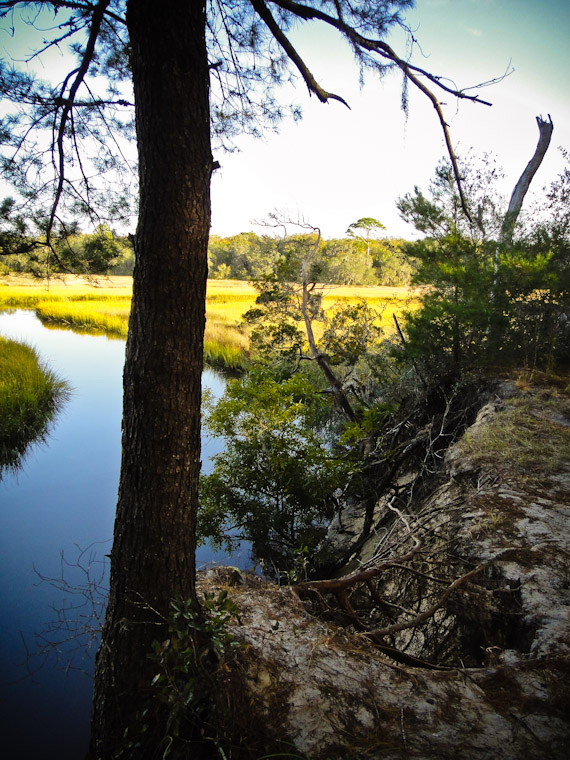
293 55
68 104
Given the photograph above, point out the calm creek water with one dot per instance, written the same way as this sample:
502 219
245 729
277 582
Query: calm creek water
60 502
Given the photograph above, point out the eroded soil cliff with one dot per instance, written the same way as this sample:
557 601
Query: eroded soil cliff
446 635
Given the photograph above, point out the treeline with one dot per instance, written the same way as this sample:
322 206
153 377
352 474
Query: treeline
344 261
99 253
354 260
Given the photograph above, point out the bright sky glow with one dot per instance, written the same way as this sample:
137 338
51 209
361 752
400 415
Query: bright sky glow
337 166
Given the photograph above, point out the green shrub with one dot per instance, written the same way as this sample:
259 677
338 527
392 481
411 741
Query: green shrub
274 483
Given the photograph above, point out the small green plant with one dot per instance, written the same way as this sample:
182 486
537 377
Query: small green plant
184 665
301 565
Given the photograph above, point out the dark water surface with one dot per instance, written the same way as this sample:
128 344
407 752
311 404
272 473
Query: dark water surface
61 501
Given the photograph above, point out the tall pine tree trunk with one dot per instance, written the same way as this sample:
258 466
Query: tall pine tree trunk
152 559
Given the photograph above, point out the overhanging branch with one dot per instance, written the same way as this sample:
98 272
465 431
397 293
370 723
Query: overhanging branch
68 104
293 55
384 51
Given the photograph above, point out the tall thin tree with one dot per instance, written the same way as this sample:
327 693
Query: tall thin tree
167 55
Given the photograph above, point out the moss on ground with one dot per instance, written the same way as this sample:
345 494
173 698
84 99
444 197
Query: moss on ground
529 436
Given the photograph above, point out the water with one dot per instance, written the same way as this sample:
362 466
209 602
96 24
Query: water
61 500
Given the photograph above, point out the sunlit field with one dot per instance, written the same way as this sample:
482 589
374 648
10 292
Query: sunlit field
103 305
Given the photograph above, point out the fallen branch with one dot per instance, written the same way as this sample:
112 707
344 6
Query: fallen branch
379 633
361 576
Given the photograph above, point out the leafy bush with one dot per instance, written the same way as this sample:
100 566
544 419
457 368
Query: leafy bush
276 480
488 301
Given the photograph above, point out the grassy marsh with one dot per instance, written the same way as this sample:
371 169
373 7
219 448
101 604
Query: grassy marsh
30 394
109 316
103 305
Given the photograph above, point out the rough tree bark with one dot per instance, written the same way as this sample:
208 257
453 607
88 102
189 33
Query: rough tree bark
153 552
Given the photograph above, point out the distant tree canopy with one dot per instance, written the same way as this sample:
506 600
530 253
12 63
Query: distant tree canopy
98 253
246 256
343 261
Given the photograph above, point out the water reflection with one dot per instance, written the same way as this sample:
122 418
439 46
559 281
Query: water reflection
32 397
62 500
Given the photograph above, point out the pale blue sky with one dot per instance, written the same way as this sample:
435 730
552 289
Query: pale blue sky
336 165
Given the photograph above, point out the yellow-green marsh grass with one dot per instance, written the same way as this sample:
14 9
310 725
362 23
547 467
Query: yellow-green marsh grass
230 299
230 290
225 342
104 304
109 316
30 394
19 286
386 300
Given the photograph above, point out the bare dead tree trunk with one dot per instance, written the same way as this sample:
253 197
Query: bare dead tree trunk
521 188
515 204
318 356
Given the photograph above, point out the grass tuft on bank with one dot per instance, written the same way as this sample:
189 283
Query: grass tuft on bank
30 395
110 316
528 437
